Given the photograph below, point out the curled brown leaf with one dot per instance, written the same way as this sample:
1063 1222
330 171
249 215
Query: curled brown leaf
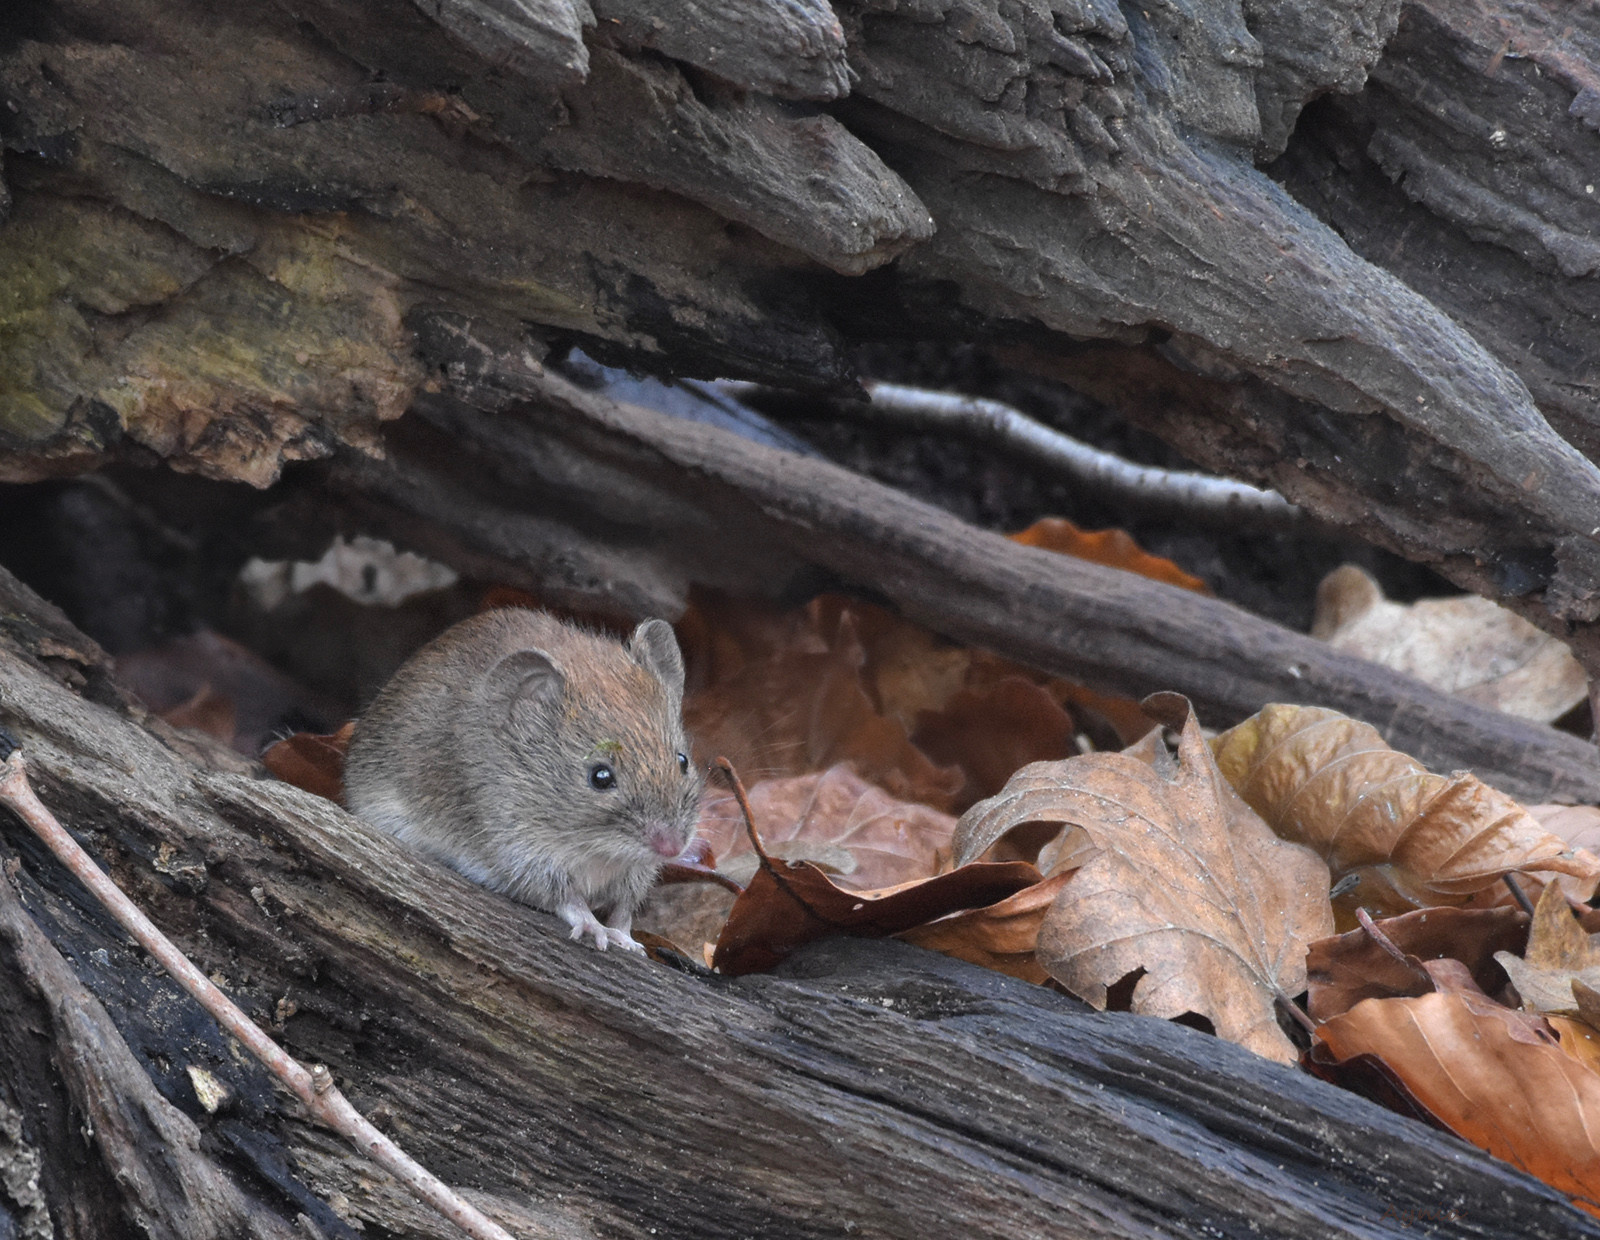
1417 839
1495 1077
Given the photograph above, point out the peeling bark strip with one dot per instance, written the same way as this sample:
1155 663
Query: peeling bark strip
873 1089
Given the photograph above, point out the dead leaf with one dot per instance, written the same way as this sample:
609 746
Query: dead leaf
835 819
787 692
992 733
906 670
778 696
1579 1038
1578 825
847 827
1188 885
1494 1077
1417 839
1466 646
1114 548
789 904
1344 969
312 762
1559 955
1003 936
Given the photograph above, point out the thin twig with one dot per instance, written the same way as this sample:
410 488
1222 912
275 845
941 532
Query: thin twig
315 1088
732 777
1200 496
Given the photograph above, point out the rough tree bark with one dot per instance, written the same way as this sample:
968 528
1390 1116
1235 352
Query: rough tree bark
236 237
220 219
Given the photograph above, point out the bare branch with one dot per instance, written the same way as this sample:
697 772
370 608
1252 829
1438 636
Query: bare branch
315 1088
1198 496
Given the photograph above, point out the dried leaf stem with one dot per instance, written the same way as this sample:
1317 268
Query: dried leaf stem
1518 894
1390 946
735 783
315 1088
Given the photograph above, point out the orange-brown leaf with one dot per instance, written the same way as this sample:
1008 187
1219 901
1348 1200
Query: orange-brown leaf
789 904
1003 936
1344 969
1495 1077
994 732
779 696
1114 548
311 761
1326 780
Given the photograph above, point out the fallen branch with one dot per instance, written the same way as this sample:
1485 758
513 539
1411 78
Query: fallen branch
702 499
314 1088
1200 497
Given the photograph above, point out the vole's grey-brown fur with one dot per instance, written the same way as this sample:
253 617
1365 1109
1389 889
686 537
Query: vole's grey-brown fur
537 759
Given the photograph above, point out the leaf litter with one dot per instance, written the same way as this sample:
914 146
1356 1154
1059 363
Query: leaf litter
1188 884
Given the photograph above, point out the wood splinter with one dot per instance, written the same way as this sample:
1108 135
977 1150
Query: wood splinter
314 1088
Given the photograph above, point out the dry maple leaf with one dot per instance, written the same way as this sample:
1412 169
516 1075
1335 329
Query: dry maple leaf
1467 646
1492 1076
1188 885
1560 970
1323 779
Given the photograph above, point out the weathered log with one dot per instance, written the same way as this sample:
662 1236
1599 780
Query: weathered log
872 1088
585 500
219 223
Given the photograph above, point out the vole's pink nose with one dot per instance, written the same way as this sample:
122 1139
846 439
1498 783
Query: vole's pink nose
668 841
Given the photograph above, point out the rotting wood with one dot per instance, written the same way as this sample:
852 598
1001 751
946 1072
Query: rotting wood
871 1088
314 1089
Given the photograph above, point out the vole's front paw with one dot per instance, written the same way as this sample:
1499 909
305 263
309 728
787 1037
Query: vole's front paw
624 940
585 925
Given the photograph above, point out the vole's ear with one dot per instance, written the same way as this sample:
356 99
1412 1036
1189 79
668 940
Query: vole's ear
523 678
655 648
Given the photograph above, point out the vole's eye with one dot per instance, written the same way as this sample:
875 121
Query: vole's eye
683 763
602 777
